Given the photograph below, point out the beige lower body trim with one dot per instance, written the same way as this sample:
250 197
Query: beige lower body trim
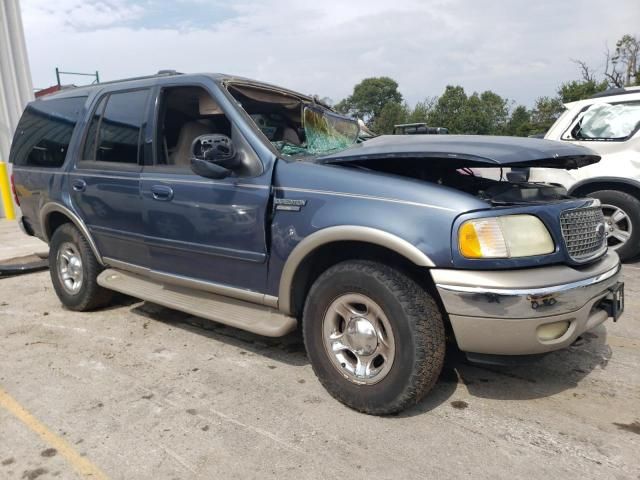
258 319
186 282
508 336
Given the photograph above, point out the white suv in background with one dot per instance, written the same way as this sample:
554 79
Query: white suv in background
609 124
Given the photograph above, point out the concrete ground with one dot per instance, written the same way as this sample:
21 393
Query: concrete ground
14 244
139 391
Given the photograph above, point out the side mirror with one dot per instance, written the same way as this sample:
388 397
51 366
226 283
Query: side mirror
213 156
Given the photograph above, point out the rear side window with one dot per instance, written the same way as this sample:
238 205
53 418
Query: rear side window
44 132
115 131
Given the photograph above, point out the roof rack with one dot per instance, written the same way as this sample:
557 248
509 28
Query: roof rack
161 73
616 91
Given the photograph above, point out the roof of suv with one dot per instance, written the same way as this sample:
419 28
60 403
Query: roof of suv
608 96
168 74
616 91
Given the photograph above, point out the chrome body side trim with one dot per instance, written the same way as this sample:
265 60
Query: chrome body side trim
51 207
193 283
337 234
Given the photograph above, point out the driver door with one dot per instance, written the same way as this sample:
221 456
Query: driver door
198 229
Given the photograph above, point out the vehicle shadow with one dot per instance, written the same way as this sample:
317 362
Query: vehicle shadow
546 376
553 373
288 349
543 377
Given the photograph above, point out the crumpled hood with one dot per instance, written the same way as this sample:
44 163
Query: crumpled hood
458 151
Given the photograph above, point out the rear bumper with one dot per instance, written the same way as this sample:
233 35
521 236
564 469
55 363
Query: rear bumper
511 312
25 227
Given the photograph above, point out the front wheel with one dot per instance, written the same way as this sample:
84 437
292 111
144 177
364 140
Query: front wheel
622 221
375 338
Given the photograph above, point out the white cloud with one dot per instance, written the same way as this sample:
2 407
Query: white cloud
520 49
73 15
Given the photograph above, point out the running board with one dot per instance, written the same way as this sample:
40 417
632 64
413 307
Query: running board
235 313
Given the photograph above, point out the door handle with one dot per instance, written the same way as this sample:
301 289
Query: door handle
162 193
79 185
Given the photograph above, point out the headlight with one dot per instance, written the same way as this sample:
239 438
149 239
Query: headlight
504 237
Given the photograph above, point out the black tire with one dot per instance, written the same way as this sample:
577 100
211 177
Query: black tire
90 295
418 330
631 206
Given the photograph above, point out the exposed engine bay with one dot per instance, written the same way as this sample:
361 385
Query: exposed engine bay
500 186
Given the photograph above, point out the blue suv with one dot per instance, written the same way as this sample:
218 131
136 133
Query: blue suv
264 209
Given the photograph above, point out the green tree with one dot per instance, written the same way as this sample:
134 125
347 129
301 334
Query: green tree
369 98
623 66
450 109
473 119
544 113
519 123
391 114
421 113
483 113
580 89
486 114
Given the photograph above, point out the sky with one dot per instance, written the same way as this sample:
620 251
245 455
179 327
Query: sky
519 49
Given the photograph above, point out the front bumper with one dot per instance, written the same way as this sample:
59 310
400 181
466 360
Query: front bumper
504 312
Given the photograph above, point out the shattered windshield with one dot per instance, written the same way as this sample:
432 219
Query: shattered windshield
324 132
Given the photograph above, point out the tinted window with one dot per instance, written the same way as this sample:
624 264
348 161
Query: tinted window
44 131
118 128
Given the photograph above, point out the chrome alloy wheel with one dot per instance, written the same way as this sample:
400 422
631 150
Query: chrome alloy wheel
618 226
358 339
70 267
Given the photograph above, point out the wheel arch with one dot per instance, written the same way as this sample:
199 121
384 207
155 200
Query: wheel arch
584 187
53 215
329 246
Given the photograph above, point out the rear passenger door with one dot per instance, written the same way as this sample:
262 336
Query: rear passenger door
105 183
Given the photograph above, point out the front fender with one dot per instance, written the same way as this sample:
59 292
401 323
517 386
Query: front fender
316 205
338 234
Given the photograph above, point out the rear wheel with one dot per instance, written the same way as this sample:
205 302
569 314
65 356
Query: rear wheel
622 221
375 338
74 270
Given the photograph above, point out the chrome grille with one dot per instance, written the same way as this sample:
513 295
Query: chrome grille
583 230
